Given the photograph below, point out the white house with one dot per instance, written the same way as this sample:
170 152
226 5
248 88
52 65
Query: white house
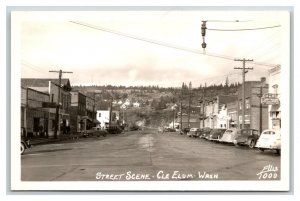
127 102
136 104
103 117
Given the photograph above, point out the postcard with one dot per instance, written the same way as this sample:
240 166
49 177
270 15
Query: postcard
150 100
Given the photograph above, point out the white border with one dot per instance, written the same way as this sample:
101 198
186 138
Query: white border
282 185
5 190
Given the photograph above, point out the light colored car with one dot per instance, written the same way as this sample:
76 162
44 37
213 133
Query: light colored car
269 140
229 135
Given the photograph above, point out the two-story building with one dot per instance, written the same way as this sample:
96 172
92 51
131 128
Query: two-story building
215 111
78 112
104 115
256 114
272 98
58 95
91 113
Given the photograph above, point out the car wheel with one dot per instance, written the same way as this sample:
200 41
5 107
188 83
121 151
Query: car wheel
251 144
262 150
278 151
22 148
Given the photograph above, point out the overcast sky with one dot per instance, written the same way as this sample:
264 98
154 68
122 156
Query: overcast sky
50 41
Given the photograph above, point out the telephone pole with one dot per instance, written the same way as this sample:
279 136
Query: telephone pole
60 72
189 104
243 86
181 117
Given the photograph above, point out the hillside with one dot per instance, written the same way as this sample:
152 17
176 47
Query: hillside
151 105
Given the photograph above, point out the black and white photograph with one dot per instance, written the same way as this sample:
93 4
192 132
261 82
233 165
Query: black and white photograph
163 99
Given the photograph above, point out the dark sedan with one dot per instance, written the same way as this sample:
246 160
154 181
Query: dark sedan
247 137
205 132
215 134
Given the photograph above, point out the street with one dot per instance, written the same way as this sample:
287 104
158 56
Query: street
146 155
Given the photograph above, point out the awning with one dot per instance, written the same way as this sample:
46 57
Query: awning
95 121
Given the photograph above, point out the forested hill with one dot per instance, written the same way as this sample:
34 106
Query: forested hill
154 97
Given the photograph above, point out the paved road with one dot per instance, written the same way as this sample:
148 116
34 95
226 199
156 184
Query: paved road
145 155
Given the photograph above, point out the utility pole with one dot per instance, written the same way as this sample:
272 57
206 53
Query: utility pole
189 106
243 86
180 116
110 112
203 105
58 100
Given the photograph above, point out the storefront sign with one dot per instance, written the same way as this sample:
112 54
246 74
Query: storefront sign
269 99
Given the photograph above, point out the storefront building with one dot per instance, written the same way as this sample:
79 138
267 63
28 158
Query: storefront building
272 98
45 108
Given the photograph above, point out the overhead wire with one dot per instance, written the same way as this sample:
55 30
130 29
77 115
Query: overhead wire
251 29
196 51
33 67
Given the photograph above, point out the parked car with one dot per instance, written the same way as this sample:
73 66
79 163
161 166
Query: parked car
247 137
269 140
205 131
168 129
114 129
184 131
215 134
229 135
194 132
25 144
95 131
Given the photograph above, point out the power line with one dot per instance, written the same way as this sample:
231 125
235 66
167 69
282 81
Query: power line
33 67
161 43
228 20
252 29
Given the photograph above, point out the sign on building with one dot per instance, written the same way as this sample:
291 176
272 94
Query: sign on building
269 99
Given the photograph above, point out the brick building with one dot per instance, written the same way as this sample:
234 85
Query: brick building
256 114
78 119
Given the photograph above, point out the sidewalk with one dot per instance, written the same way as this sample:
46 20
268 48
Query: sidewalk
44 140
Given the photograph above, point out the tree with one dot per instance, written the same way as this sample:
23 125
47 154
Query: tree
226 82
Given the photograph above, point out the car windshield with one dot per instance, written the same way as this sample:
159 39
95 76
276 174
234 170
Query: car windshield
245 132
269 133
228 132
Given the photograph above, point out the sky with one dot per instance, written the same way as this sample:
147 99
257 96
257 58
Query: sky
166 50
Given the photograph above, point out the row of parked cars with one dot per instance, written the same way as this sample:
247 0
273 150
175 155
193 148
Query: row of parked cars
269 139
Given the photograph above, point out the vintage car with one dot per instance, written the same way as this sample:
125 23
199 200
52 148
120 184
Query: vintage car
95 131
204 132
194 132
184 131
269 140
215 134
247 137
229 135
25 144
